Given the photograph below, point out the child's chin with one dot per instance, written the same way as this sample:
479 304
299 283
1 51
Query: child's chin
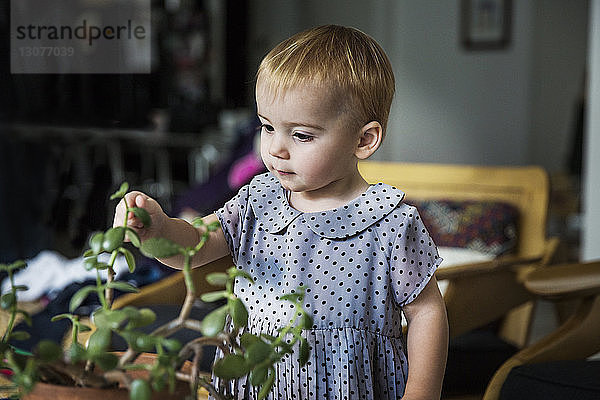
285 183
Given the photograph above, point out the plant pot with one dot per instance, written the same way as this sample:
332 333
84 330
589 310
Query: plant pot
45 391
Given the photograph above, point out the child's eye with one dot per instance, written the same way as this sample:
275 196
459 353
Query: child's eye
266 127
303 137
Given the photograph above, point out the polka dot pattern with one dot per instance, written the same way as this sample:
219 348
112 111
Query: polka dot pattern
360 263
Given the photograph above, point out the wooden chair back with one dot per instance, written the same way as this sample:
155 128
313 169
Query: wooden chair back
527 188
476 298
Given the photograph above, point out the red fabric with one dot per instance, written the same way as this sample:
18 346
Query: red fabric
486 226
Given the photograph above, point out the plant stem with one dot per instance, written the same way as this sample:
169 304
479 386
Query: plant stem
13 309
211 389
127 357
108 292
75 330
202 241
99 290
187 272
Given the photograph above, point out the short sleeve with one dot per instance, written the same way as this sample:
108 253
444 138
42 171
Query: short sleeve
231 217
414 258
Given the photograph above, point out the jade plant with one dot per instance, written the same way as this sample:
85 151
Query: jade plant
93 364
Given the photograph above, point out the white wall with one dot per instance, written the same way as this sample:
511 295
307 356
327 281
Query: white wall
591 185
455 106
560 41
513 106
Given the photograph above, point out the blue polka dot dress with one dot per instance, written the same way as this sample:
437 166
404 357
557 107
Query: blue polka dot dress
360 263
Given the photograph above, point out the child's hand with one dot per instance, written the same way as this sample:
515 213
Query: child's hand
141 200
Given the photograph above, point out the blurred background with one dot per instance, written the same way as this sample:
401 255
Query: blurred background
516 95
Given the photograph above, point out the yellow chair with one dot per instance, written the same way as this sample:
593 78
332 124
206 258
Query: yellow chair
480 293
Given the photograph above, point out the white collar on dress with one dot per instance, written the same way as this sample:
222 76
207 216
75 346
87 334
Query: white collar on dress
274 212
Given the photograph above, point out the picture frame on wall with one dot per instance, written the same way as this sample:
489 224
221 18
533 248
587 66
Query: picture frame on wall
486 24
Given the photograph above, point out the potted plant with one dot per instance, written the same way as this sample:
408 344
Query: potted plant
94 365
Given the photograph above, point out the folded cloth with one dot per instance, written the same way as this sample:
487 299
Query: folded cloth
457 256
50 271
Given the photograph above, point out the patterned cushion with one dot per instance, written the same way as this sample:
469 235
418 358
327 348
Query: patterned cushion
486 226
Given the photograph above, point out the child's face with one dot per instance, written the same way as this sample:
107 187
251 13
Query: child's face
306 140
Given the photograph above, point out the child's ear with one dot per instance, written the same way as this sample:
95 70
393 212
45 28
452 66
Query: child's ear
371 136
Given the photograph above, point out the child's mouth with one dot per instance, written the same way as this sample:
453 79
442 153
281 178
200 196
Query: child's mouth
284 172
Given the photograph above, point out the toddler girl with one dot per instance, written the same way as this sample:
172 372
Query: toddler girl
323 98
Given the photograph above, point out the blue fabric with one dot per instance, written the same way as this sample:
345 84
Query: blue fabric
360 264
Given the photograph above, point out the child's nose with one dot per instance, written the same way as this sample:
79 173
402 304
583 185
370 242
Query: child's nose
278 147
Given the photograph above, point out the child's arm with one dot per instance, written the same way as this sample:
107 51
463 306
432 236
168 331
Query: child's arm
175 229
427 344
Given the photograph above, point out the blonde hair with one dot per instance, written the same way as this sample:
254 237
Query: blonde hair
342 59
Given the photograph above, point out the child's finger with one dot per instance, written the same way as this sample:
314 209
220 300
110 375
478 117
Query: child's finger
140 201
148 203
121 209
130 198
134 222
